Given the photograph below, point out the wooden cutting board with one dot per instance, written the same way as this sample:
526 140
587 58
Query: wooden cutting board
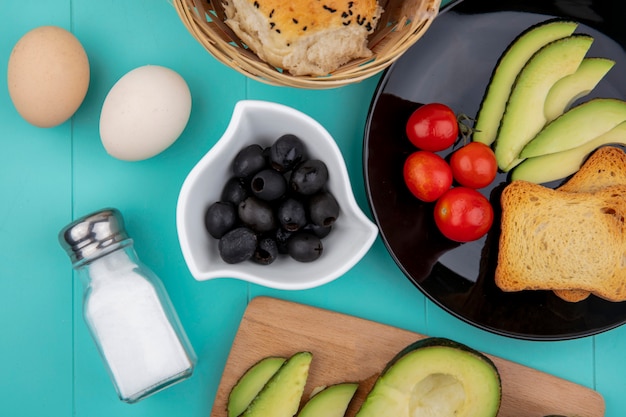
347 348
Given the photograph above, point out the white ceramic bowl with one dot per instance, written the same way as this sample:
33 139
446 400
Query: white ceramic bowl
263 122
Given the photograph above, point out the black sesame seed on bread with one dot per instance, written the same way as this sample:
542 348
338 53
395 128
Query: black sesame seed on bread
304 37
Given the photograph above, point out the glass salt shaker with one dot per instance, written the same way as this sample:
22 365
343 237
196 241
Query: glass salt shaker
126 308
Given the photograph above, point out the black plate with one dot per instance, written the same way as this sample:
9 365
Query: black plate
452 64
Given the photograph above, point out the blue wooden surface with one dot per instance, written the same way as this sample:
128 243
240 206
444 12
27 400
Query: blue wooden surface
49 364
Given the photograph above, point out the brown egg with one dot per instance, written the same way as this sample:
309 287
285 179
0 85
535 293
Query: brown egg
48 76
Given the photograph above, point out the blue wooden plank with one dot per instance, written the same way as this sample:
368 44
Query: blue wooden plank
120 39
35 274
610 369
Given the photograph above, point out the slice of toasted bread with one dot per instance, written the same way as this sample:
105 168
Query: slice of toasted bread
559 240
604 168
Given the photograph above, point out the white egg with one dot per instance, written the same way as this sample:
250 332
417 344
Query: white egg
144 113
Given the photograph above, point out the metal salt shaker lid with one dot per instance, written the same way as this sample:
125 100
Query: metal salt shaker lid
86 237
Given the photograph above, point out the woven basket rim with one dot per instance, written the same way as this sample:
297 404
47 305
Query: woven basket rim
387 44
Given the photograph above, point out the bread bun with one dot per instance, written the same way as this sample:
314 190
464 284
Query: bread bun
304 37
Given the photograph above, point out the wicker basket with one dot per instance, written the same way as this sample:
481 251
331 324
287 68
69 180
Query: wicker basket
402 24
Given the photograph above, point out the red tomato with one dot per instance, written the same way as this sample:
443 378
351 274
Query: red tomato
427 175
474 165
463 214
433 127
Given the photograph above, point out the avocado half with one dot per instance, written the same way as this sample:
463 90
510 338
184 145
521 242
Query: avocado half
436 377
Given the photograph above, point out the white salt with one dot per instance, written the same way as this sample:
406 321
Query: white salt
136 338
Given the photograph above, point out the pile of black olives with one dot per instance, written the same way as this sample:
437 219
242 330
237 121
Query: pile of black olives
275 202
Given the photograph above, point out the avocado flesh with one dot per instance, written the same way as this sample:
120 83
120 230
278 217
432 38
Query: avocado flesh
251 383
574 86
281 396
577 126
508 67
331 401
554 166
444 379
524 116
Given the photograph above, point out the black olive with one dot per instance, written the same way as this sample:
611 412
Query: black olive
304 247
319 231
219 218
275 203
238 245
309 177
266 251
286 152
291 214
257 214
249 161
234 191
268 185
323 209
282 237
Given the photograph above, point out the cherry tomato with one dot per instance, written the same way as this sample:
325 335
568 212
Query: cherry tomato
474 165
463 214
432 127
427 175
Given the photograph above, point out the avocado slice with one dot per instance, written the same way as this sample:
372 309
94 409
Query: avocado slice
577 126
331 401
554 166
281 395
508 66
251 383
435 377
524 116
574 86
